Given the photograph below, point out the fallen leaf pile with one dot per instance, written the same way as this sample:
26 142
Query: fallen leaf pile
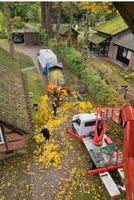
49 154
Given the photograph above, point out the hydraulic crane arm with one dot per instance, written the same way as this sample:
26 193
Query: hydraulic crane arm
123 117
127 114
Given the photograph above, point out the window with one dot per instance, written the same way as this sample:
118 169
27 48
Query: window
129 54
1 136
124 54
78 121
90 123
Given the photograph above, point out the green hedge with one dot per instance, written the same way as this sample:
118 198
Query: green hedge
101 93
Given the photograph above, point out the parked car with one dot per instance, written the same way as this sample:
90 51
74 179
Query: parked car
18 38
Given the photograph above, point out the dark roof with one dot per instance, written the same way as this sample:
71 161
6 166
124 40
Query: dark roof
113 26
126 41
24 30
13 105
63 29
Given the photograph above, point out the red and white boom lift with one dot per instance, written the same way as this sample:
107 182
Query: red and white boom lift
104 154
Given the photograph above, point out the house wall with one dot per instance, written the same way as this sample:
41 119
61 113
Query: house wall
64 38
112 53
131 63
31 38
12 141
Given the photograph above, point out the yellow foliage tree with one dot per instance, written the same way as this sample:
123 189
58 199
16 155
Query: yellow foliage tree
44 111
95 7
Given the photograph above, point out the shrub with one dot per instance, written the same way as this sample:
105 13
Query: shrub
128 74
69 56
44 36
99 90
17 22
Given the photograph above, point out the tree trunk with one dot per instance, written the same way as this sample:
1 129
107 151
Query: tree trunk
43 14
126 9
46 21
70 32
49 20
8 28
85 50
59 8
86 28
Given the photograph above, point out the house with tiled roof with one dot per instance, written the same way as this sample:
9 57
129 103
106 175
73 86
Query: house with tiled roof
113 39
63 31
15 124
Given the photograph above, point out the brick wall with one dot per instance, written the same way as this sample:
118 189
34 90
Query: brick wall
2 148
112 53
115 52
13 140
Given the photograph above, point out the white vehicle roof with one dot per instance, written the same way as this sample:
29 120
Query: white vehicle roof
47 56
86 117
47 51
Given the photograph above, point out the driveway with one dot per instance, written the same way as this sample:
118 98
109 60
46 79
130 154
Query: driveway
30 51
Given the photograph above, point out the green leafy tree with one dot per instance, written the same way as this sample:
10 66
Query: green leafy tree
19 9
70 9
33 14
16 22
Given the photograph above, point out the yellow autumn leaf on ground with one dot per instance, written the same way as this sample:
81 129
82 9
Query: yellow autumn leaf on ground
49 154
85 107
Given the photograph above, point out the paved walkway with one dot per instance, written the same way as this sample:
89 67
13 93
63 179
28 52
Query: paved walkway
28 68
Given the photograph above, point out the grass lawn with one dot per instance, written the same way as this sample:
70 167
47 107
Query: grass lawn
25 61
115 75
6 60
33 84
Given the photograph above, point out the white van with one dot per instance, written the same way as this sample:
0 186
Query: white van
84 124
46 56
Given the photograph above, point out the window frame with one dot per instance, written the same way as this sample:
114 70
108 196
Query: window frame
1 135
129 53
